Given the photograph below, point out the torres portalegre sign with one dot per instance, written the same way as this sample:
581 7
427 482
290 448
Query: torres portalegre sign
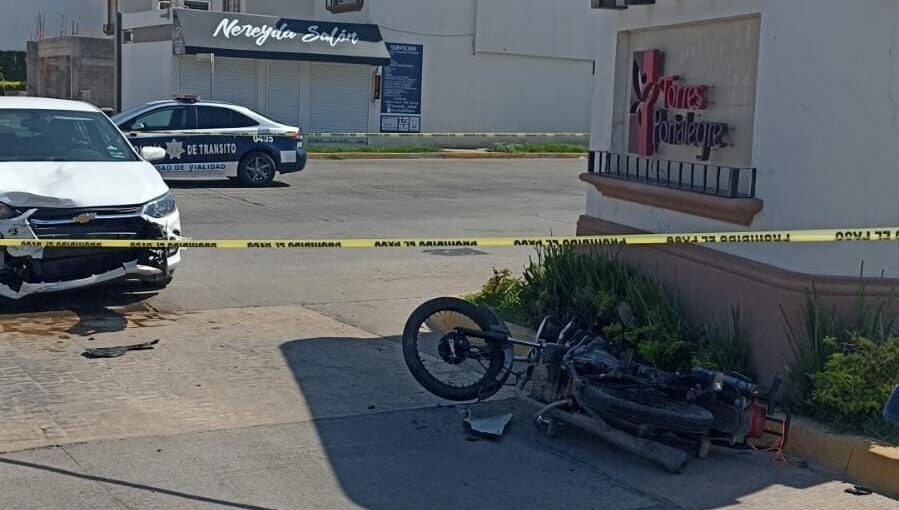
676 121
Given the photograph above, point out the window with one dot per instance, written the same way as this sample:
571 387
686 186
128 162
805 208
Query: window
231 5
197 4
212 117
58 135
163 119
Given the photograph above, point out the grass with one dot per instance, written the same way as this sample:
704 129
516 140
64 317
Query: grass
539 147
383 149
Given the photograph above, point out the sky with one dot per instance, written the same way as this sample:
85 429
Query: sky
18 19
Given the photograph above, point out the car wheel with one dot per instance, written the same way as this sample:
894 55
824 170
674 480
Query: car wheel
256 169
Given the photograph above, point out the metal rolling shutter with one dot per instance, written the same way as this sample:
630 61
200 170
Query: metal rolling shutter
192 76
235 81
284 92
340 98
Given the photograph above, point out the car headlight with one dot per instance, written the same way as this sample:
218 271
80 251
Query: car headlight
160 207
6 212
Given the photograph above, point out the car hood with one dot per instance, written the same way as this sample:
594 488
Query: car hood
79 184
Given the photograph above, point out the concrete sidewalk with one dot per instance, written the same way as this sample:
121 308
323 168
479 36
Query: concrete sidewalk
214 369
400 460
283 407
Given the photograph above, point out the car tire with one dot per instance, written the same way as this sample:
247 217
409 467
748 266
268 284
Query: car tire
257 169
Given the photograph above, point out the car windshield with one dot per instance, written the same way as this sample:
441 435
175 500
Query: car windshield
60 135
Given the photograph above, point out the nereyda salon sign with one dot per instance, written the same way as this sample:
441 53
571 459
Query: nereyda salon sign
256 36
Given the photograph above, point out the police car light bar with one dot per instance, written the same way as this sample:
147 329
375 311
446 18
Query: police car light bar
618 4
188 98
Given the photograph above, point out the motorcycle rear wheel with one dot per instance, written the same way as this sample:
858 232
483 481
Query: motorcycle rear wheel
647 407
439 368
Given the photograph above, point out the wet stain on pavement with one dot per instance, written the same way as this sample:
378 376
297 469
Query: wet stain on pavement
79 323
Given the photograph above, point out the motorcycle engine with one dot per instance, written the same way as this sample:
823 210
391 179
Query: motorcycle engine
548 380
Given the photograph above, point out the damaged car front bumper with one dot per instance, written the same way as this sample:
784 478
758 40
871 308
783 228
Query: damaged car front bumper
31 270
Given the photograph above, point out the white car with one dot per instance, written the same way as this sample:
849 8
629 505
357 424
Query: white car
67 172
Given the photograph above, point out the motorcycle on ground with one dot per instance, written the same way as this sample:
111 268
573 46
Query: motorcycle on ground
462 352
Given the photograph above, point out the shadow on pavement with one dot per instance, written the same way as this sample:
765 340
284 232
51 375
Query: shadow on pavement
123 295
391 446
131 485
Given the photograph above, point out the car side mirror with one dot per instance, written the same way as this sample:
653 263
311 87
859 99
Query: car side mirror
891 411
140 126
152 153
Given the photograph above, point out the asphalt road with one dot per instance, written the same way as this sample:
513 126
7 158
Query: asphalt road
279 381
374 290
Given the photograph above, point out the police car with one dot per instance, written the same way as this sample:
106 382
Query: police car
214 139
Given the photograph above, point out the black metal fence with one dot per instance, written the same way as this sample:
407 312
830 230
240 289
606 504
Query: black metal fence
708 179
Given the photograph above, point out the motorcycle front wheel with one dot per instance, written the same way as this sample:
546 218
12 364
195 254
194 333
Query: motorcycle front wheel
447 362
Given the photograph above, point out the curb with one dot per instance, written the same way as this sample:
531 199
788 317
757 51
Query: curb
859 458
446 155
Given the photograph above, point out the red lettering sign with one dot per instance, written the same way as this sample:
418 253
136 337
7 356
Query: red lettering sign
649 127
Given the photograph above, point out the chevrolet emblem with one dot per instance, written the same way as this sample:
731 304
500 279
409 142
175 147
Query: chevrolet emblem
84 218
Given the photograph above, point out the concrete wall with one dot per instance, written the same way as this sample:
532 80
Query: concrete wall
486 91
129 6
825 125
147 73
73 68
557 29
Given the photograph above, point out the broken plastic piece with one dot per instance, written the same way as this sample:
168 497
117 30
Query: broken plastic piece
859 490
490 427
115 352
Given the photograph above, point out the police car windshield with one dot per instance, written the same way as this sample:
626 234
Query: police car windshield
127 114
60 135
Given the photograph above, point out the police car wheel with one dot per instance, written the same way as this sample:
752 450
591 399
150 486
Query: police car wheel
257 169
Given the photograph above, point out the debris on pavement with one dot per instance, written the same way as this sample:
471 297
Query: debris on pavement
859 490
115 352
489 427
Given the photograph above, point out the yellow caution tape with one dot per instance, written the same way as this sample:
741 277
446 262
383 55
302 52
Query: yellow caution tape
770 236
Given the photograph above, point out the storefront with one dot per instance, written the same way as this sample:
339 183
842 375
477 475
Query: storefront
429 65
723 115
300 72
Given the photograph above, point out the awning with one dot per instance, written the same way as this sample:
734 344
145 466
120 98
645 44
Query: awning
271 37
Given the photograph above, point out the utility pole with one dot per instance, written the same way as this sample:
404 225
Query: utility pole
113 27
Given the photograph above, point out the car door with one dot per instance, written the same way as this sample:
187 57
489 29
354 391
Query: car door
164 127
222 136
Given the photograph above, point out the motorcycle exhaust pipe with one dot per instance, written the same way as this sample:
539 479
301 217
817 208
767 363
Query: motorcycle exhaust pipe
672 459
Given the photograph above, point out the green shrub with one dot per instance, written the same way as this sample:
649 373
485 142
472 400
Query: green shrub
591 288
851 389
12 85
502 293
725 347
843 370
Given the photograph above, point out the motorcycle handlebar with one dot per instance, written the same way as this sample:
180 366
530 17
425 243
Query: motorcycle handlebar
741 385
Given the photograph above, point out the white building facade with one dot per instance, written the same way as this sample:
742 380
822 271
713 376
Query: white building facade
724 115
462 66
